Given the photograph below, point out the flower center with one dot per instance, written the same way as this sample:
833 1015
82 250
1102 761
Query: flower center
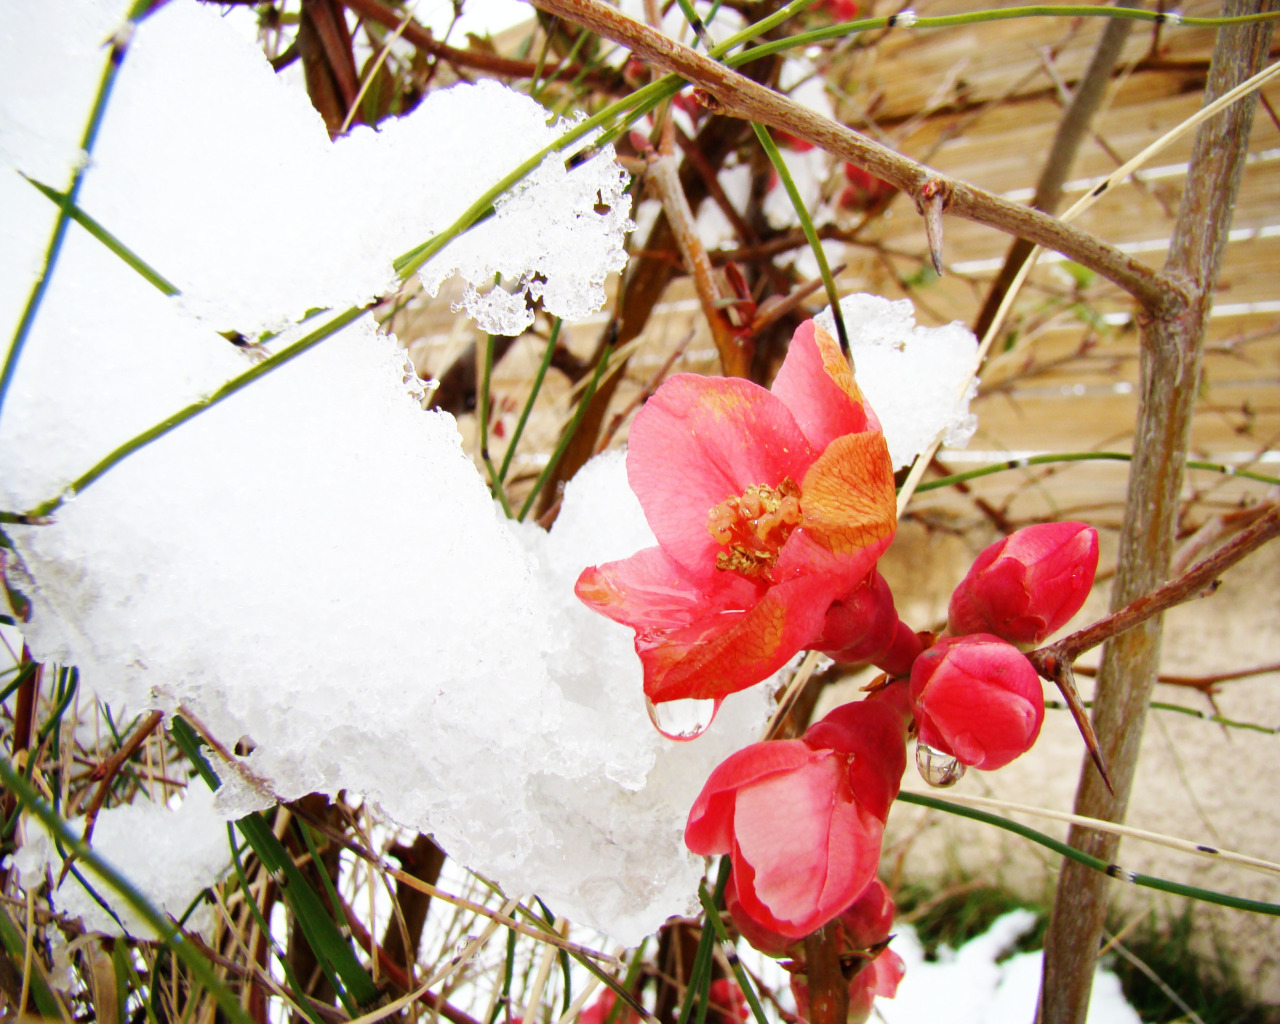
754 527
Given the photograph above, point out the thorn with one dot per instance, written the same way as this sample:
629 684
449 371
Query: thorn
934 198
1065 680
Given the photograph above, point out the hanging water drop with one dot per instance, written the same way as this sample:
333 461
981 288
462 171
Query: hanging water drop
937 768
682 719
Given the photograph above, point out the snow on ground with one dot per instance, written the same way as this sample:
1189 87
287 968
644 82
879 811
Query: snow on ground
969 986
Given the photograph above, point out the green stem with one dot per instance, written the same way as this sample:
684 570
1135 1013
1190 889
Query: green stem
411 261
495 482
228 389
700 972
528 406
744 983
806 225
115 57
847 28
1048 460
289 976
567 436
151 275
1182 709
170 936
1097 864
333 951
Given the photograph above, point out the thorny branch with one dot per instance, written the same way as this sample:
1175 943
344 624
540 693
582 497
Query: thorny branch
730 93
1199 581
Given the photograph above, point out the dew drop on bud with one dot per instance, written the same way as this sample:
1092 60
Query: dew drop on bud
682 719
937 768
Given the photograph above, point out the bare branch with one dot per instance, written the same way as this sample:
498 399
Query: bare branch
728 92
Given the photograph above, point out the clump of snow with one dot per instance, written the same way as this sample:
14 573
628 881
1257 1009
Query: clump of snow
969 986
185 851
560 257
919 380
241 200
314 565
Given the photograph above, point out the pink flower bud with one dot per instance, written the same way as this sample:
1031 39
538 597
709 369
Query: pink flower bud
978 699
862 626
1028 585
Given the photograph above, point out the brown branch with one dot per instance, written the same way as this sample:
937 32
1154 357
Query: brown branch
1056 661
499 67
1200 580
733 94
735 356
1208 685
109 768
1170 365
828 987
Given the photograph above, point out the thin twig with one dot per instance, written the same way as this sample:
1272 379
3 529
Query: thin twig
107 771
1198 581
725 91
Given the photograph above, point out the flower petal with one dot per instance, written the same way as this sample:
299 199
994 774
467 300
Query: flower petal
848 510
653 593
794 879
816 384
701 440
726 650
874 734
710 827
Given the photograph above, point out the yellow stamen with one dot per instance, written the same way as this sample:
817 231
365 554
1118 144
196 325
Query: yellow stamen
754 526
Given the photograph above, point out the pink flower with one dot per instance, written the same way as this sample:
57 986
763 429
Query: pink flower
1028 585
767 506
978 699
802 820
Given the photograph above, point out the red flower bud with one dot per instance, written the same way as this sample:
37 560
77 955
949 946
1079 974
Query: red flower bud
1028 585
978 699
862 626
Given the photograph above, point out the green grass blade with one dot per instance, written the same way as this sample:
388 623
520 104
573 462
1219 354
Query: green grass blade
572 428
15 946
533 395
319 928
115 57
152 276
806 225
228 389
1097 864
203 971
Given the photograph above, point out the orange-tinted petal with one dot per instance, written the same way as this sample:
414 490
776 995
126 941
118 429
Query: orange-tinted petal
816 384
653 593
848 511
700 440
727 651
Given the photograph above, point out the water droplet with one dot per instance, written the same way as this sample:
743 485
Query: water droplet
463 951
936 768
682 719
